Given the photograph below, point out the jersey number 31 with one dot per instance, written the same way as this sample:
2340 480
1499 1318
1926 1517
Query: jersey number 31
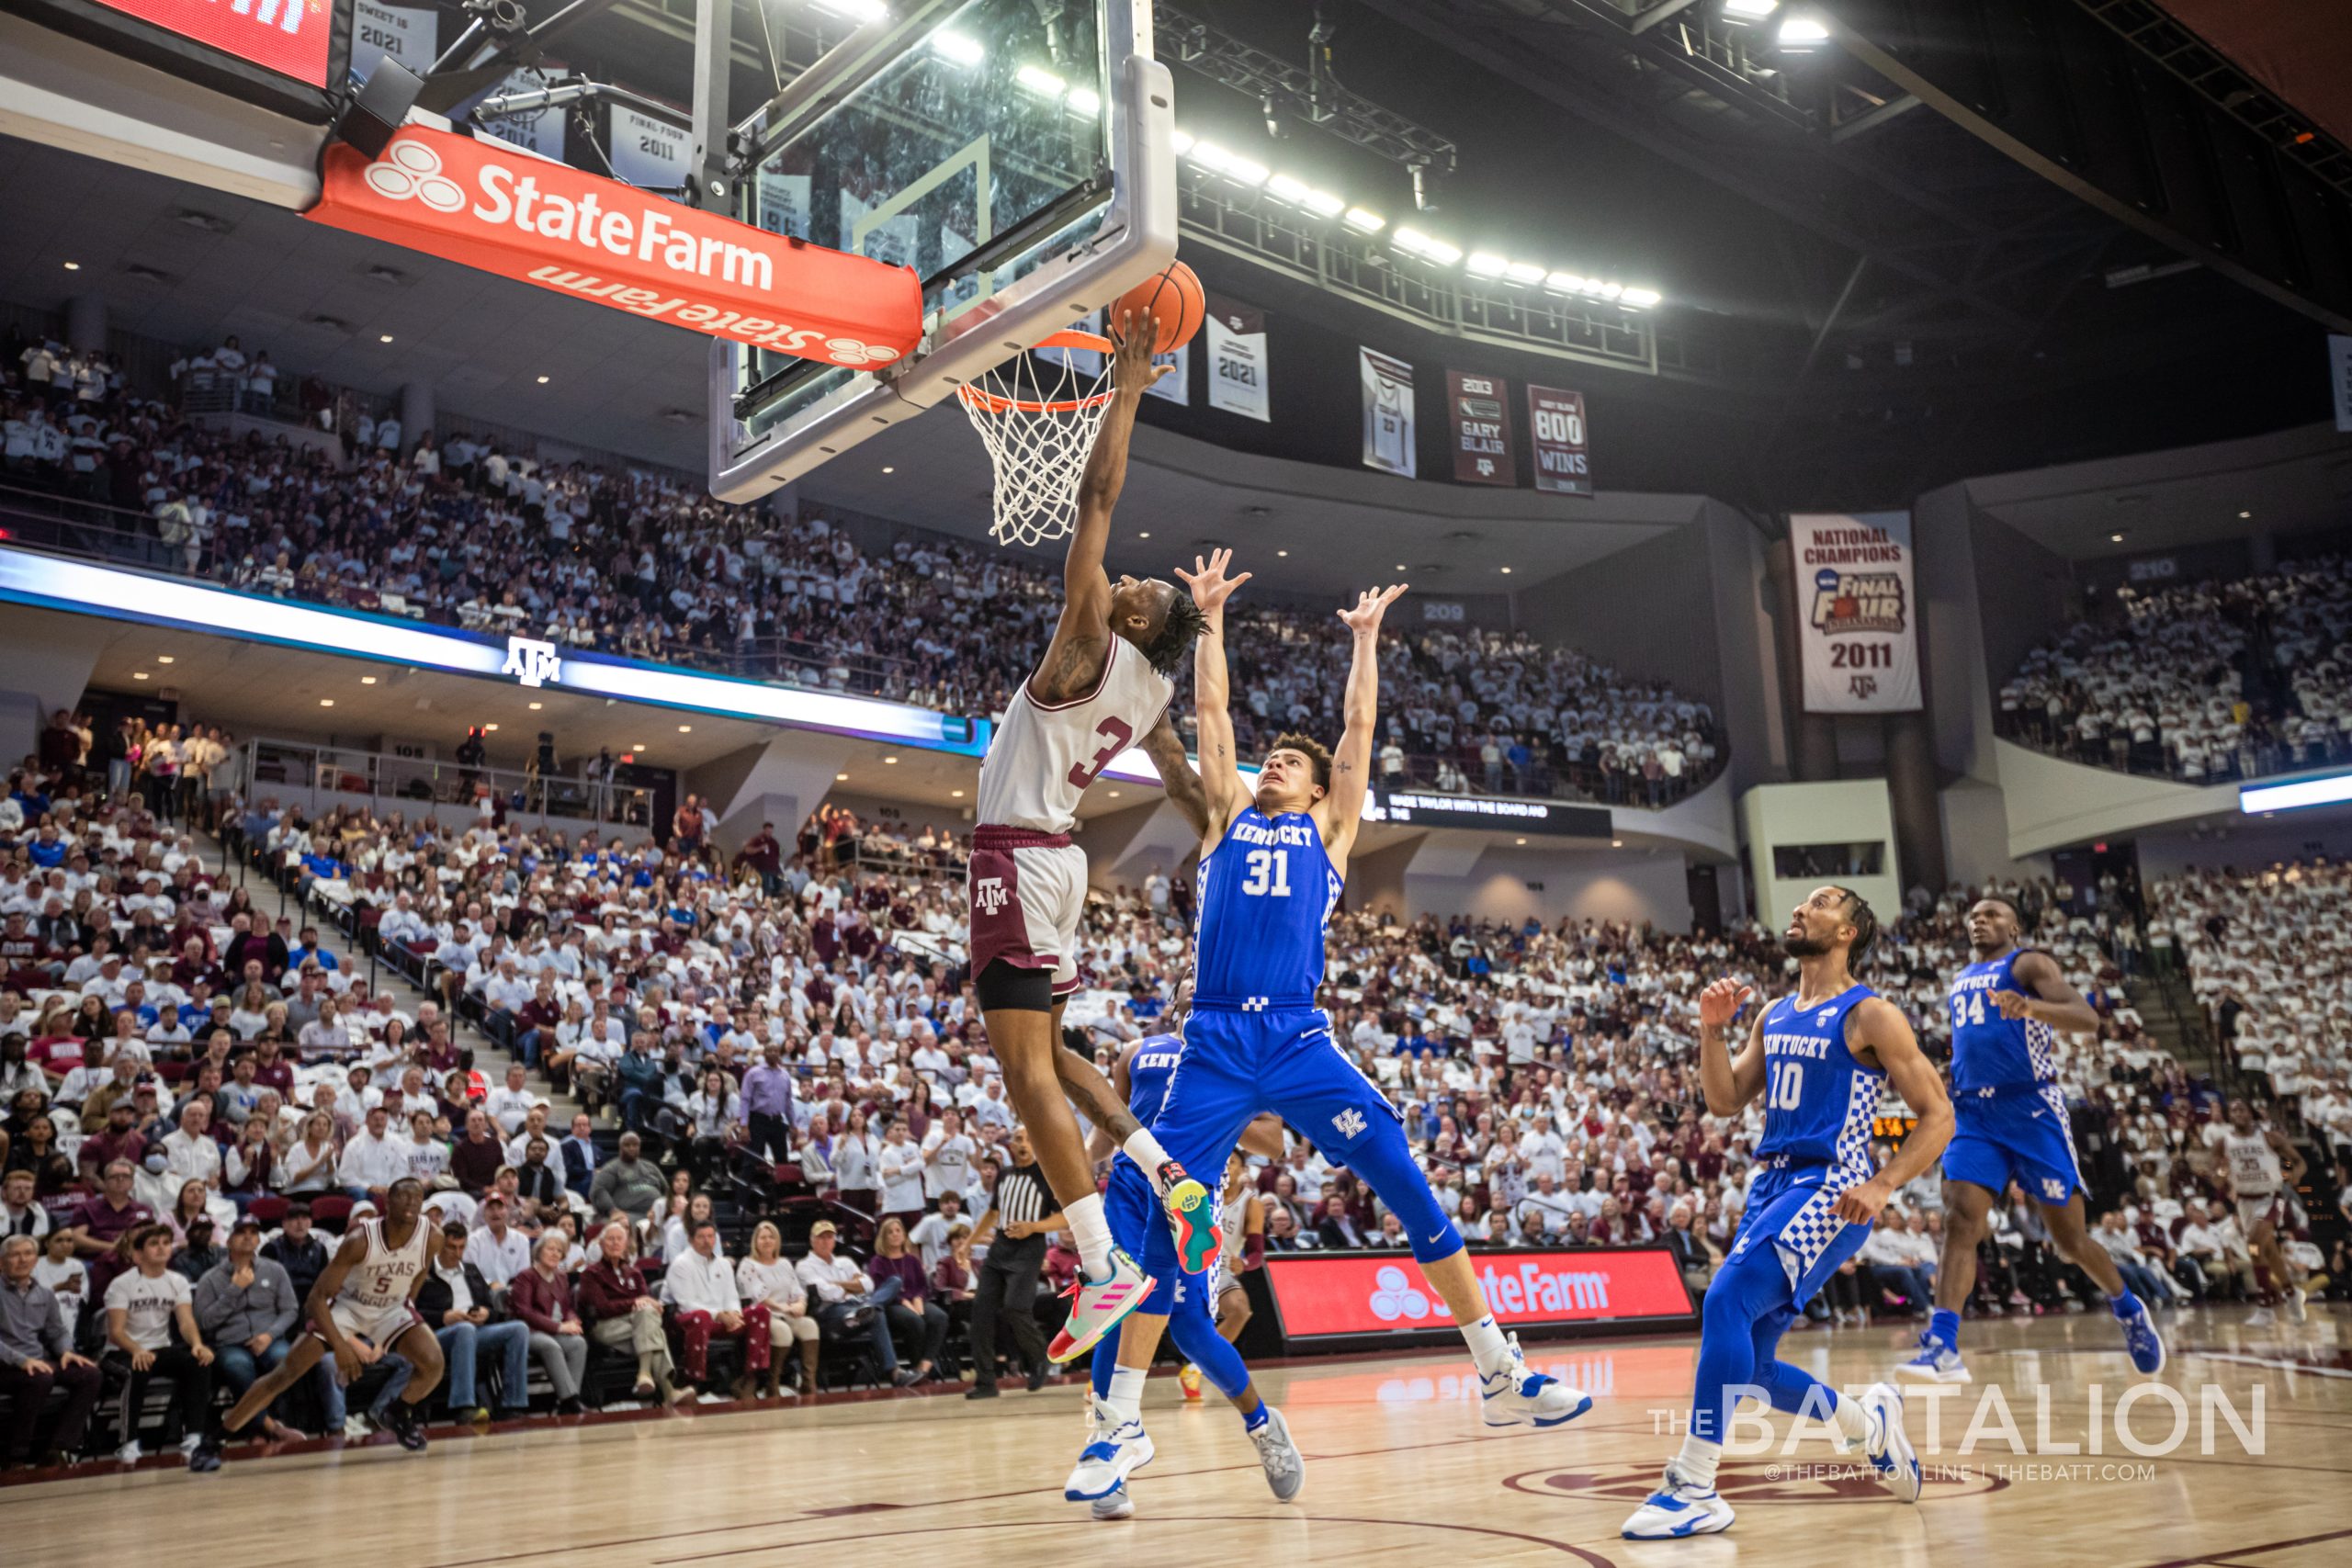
1269 872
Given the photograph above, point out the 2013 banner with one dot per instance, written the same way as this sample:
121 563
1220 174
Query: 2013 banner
1479 410
1857 612
1387 413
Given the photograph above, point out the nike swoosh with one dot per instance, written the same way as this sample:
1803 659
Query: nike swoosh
1435 1239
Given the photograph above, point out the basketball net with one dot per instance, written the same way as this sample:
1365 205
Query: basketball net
1038 417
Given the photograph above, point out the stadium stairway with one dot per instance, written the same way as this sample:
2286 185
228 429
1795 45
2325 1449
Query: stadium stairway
2173 1021
489 1059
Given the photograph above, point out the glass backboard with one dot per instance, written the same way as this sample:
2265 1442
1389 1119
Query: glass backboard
1014 152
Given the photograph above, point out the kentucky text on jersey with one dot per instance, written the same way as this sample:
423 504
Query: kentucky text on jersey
1266 894
1818 1098
1989 1051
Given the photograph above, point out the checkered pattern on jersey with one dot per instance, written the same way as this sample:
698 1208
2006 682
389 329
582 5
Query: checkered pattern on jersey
1815 1224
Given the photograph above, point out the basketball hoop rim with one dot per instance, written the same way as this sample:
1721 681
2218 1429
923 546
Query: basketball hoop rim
984 399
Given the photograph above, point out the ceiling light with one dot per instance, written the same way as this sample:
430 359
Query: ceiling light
1519 840
73 267
840 778
326 702
1563 283
366 680
1281 552
891 761
1212 157
1400 566
955 46
489 727
2115 538
1594 286
1282 188
1506 572
1749 10
1323 204
1639 299
2243 515
138 674
1038 79
1800 35
1612 290
686 729
889 468
169 659
1084 102
536 706
384 337
1180 142
1364 221
1523 272
855 10
1485 264
1246 172
955 794
1144 535
1115 794
543 381
1418 244
1616 843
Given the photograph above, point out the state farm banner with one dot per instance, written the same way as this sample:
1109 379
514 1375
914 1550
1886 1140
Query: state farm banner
1237 370
481 204
1320 1295
1555 434
1481 423
1857 617
401 32
293 38
1387 413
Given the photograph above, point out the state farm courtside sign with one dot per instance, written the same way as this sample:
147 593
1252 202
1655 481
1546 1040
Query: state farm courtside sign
487 206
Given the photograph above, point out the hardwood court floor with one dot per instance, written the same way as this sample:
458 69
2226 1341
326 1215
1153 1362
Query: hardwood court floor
1398 1470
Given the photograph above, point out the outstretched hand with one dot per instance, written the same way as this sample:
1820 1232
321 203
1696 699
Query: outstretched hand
1721 1002
1211 588
1371 604
1131 362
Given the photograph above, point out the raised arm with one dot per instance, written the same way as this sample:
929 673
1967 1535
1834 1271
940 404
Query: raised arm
1728 1082
1222 792
1083 637
1342 810
1878 1026
2053 1002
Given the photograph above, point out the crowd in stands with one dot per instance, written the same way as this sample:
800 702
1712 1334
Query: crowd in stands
469 532
2203 681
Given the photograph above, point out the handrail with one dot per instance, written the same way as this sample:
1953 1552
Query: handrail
279 769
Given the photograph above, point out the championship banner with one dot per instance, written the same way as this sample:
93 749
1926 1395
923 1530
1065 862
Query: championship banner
541 130
1332 1295
1176 388
1387 413
1556 430
649 152
1857 617
1481 419
399 32
784 203
1237 370
475 203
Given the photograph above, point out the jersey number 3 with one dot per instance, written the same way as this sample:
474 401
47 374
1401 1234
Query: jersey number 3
1084 773
1269 872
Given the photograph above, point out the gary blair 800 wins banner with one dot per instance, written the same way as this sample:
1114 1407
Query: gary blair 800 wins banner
1856 614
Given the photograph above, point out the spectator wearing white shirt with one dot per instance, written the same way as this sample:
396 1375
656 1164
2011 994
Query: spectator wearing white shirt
373 1159
701 1286
498 1251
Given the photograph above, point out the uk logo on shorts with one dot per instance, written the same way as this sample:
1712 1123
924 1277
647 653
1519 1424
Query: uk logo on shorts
411 169
988 894
1349 1122
2053 1189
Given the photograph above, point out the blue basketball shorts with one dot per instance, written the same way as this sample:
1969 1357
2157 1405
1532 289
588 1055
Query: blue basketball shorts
2021 1135
1795 1210
1238 1064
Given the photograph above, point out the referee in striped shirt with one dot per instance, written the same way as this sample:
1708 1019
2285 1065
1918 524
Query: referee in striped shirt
1020 1221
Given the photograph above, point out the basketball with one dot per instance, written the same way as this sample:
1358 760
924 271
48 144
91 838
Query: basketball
1175 301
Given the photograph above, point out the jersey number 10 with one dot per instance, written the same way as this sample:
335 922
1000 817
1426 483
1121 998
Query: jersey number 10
1784 1086
1269 872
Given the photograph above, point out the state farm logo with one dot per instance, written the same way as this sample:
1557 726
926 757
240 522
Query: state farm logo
411 169
1393 1296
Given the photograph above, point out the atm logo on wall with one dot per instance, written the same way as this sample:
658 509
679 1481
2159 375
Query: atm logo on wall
289 37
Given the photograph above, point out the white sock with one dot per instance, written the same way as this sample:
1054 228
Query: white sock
1853 1422
1145 1150
1488 1348
1696 1463
1125 1398
1093 1234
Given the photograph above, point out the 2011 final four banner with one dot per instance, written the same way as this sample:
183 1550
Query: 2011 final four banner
1856 614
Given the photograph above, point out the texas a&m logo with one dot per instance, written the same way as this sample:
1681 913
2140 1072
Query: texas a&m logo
989 894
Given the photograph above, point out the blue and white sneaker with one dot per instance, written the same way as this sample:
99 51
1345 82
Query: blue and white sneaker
1676 1509
1936 1362
1890 1451
1279 1457
1515 1396
1115 1503
2139 1336
1119 1449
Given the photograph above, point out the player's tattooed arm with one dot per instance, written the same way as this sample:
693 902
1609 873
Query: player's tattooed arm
1082 638
1185 791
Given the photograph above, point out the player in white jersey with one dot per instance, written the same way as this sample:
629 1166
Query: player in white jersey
1102 686
2262 1168
361 1307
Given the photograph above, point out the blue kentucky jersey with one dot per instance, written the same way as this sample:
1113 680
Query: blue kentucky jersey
1266 892
1148 1071
1988 1051
1818 1099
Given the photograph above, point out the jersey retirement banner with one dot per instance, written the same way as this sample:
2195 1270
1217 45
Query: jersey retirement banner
1477 406
1387 413
1856 614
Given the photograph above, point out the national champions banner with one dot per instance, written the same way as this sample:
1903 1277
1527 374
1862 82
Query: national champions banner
1857 611
1387 413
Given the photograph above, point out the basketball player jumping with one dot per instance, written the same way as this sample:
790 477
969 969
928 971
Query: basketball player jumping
1819 1058
1176 1305
2262 1166
363 1306
2008 1010
1102 686
1272 868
